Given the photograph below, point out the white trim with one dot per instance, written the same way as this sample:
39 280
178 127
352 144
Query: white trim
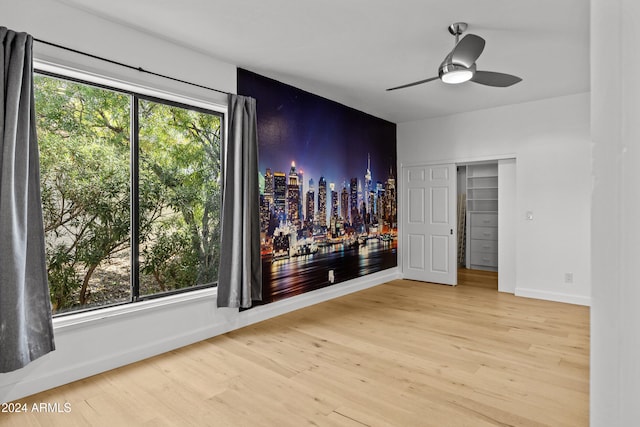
102 315
553 296
507 225
463 161
124 85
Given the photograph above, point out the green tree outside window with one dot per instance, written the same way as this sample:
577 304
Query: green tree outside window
85 156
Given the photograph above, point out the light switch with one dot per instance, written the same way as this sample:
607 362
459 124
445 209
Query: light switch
529 216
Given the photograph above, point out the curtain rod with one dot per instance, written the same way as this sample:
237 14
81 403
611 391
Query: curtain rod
142 70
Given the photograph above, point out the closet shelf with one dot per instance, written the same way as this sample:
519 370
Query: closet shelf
482 216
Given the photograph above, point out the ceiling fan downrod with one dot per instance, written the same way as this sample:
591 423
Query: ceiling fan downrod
457 28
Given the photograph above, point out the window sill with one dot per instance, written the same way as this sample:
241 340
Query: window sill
97 316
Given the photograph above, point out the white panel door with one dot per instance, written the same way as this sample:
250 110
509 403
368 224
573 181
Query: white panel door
429 229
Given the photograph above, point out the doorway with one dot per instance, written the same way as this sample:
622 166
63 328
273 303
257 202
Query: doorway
477 212
491 207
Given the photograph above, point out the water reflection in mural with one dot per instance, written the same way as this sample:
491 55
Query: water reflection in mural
328 189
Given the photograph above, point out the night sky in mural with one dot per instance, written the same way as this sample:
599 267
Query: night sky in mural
321 136
303 136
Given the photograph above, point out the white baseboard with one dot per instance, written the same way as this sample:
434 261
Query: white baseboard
553 296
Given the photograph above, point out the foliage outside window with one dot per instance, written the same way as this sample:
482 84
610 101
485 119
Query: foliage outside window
89 139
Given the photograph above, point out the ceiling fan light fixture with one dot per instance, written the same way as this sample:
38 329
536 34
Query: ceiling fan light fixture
456 74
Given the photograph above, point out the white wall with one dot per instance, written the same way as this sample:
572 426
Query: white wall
550 140
615 118
87 344
55 22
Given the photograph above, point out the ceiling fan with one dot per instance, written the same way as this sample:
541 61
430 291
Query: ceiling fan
459 65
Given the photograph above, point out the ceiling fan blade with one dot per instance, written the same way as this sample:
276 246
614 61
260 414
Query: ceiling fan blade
491 78
467 50
413 84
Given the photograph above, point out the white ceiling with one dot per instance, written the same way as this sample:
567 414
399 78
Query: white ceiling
352 50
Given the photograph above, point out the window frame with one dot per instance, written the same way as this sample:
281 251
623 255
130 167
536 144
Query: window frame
135 93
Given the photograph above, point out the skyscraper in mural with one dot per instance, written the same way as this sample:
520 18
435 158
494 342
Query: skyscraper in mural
322 202
334 200
301 212
268 186
390 199
379 201
366 194
293 197
354 214
344 203
311 205
266 202
279 195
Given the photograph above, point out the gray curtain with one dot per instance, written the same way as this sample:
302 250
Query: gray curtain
240 272
26 330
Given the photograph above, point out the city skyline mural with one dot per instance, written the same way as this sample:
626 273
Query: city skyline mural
327 189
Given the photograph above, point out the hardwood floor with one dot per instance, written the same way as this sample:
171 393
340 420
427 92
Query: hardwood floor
401 354
478 278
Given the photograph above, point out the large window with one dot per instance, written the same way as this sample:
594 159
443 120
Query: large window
130 193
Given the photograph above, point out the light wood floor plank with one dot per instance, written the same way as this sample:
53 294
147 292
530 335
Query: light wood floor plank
404 353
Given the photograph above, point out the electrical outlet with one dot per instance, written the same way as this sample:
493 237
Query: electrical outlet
568 277
332 277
